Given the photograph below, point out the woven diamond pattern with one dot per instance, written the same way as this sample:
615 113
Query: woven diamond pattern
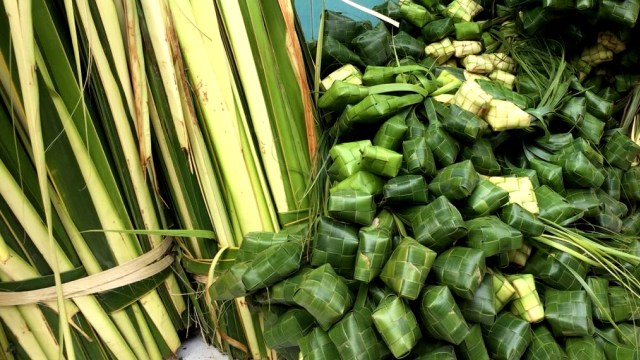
356 338
526 302
631 184
503 290
548 173
441 315
436 225
507 338
373 46
596 55
406 189
521 219
583 348
354 206
462 122
347 156
229 285
374 249
288 328
478 64
397 324
391 132
461 269
455 181
255 242
502 62
414 13
467 47
579 170
600 288
623 306
482 157
273 265
324 295
544 346
317 345
503 78
472 98
441 50
554 207
283 291
481 309
505 115
568 312
492 236
445 148
485 199
335 243
418 157
381 161
473 347
406 270
361 181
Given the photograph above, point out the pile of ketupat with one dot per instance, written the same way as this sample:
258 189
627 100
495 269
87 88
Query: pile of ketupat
481 188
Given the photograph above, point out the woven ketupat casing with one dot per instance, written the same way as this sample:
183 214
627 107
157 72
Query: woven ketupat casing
568 312
406 189
288 328
445 149
503 290
554 207
436 225
374 248
346 158
283 291
255 242
472 98
482 308
492 236
481 155
381 161
354 206
631 184
362 181
620 150
324 295
229 284
391 133
526 302
600 305
485 199
464 124
456 181
544 346
397 324
335 243
473 347
579 348
406 270
441 315
317 345
521 219
508 337
418 157
272 265
356 338
461 269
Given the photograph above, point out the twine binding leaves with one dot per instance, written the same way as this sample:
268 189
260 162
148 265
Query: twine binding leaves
138 269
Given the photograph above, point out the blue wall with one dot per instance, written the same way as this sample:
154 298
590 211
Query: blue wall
309 13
